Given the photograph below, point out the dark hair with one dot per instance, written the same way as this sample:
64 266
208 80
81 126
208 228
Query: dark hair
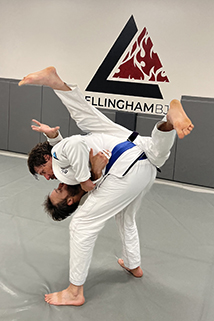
62 210
36 157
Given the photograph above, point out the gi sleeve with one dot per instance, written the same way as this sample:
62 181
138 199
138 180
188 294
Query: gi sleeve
54 141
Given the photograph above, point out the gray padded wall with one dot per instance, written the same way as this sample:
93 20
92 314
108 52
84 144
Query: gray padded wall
4 118
126 119
73 128
195 154
191 160
111 114
25 104
144 126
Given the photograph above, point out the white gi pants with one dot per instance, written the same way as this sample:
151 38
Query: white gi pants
116 196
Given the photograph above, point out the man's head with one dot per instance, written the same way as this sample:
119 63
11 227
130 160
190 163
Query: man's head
63 201
40 161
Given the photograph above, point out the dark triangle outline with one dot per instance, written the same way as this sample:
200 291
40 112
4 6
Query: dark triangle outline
99 82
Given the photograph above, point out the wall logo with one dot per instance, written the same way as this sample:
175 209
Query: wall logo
137 74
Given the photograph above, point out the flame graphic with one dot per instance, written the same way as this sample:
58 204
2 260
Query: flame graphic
141 62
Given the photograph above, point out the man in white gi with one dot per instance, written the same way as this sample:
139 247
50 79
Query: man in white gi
119 194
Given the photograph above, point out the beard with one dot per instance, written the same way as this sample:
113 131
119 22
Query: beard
73 189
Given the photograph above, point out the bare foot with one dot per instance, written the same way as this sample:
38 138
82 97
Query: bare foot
137 272
178 119
47 77
73 295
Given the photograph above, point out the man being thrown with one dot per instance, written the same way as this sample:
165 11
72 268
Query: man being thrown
120 192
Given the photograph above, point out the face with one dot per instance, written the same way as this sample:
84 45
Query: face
46 169
62 192
59 194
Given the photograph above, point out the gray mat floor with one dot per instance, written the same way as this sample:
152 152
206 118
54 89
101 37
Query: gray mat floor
176 227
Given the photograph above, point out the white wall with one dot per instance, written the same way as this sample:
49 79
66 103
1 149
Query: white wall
76 35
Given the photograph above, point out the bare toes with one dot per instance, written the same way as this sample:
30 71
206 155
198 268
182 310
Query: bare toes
186 131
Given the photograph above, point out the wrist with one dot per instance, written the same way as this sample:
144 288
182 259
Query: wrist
55 135
51 136
95 176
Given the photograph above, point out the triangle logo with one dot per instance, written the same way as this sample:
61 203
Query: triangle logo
141 63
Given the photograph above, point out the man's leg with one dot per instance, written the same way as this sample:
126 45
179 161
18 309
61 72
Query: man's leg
158 146
178 121
88 118
131 258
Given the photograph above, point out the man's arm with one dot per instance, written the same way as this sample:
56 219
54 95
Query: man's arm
88 185
98 163
52 133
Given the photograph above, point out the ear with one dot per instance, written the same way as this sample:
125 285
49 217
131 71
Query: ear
47 157
70 201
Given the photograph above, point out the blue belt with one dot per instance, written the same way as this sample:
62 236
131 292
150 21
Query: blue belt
119 150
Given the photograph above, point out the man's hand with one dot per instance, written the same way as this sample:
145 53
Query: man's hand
87 186
51 132
98 163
